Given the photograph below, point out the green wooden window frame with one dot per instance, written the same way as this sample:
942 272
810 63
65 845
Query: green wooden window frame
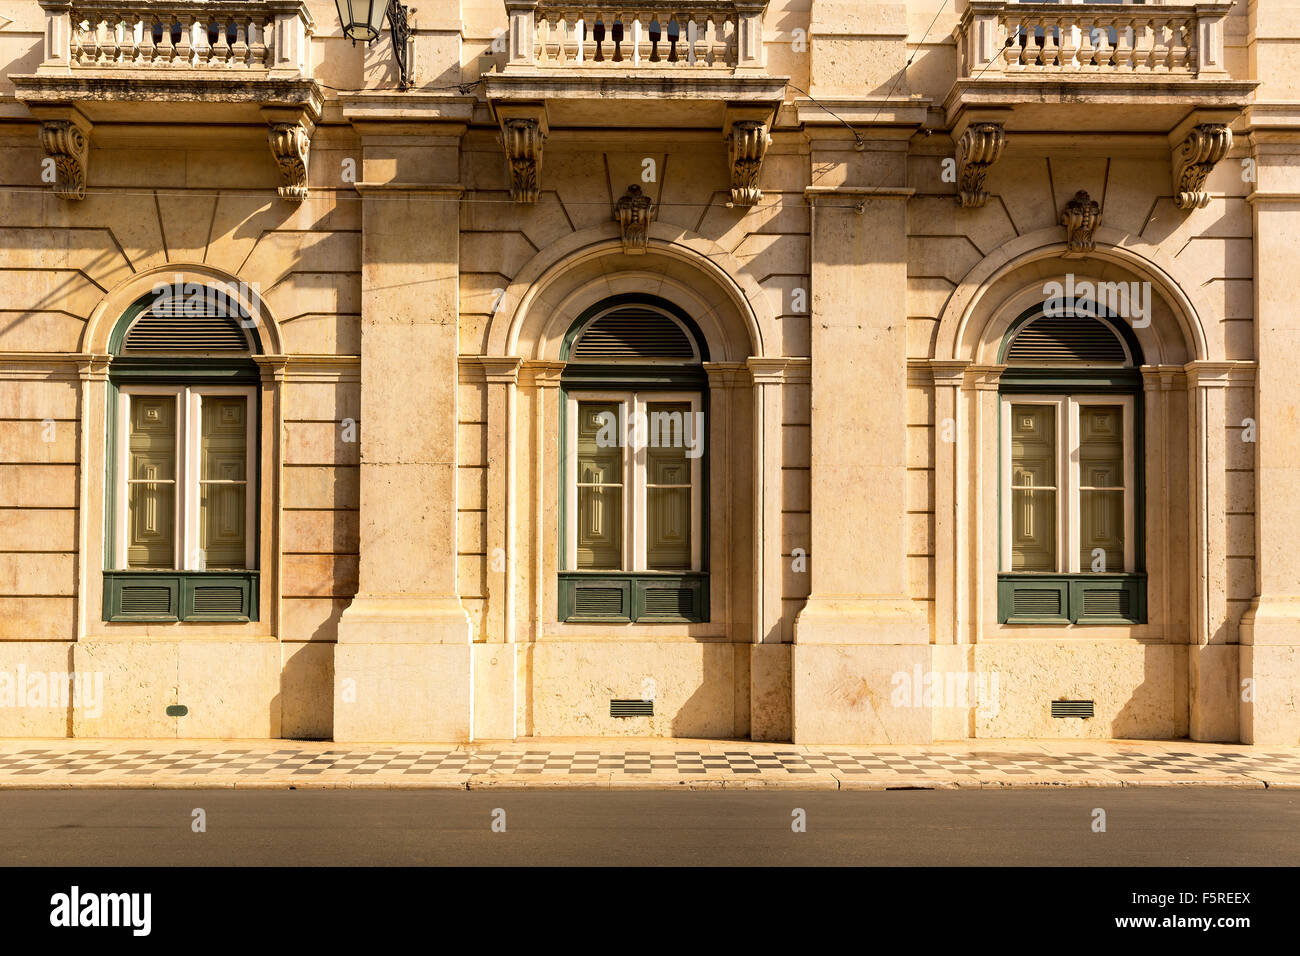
1092 598
625 597
188 594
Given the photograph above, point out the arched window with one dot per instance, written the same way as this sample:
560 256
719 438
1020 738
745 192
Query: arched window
1071 470
633 533
181 511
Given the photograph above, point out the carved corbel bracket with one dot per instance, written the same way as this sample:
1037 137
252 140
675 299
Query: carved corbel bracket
634 212
523 134
979 147
65 137
1081 217
748 138
1194 158
290 139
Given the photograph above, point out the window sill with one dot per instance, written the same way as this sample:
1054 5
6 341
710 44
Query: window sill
1086 598
164 597
622 597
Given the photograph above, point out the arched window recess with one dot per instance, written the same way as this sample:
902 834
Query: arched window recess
634 466
1071 471
181 502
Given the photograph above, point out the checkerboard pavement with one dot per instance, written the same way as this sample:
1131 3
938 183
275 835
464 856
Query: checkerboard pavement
27 764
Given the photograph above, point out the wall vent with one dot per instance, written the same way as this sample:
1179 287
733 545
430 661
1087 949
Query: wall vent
1072 708
218 600
634 334
168 328
1107 603
147 600
631 708
1067 341
1036 602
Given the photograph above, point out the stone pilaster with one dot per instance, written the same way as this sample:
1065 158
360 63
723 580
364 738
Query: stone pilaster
403 665
859 626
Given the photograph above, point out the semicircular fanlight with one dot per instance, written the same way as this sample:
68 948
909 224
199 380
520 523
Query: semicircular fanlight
206 322
1068 340
634 333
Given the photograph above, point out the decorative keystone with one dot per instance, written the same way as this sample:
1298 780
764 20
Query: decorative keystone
1194 158
747 145
634 212
978 149
290 139
65 137
1081 218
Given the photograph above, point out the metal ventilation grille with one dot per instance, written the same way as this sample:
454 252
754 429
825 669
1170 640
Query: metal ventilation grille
1056 341
669 601
169 329
631 708
598 602
1036 602
146 600
634 334
218 600
1106 602
1072 708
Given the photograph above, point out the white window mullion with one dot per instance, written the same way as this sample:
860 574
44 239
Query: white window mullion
697 487
189 485
636 497
571 484
1070 507
1130 484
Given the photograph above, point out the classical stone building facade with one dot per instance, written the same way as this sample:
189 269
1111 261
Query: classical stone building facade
817 370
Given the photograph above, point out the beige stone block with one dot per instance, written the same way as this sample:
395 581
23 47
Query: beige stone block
320 532
402 692
941 216
303 293
921 331
920 490
763 256
320 443
693 190
38 529
32 289
280 254
1214 692
139 167
1024 188
579 179
33 442
1140 690
795 489
326 333
307 692
311 619
471 488
471 444
951 257
769 692
38 574
503 252
322 401
38 486
470 531
1273 716
574 681
37 618
795 446
38 400
232 688
319 575
140 680
845 694
41 331
495 669
320 487
36 698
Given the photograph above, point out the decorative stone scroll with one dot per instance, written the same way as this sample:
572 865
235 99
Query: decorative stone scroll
747 141
634 212
290 144
1081 217
978 149
1194 158
65 137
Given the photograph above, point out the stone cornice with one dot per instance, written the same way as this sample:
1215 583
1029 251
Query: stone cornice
540 374
89 86
1220 374
779 371
490 369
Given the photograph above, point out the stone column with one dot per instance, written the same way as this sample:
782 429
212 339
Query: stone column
1270 630
403 667
859 627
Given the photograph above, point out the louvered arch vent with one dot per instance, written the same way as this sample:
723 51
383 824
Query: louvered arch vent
634 334
208 323
1067 341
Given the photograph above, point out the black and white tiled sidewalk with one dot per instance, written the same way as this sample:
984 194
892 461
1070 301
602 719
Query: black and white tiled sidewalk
73 763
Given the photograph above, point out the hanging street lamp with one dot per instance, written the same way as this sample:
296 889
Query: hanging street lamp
364 20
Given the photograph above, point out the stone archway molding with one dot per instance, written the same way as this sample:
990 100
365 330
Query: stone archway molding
110 309
957 341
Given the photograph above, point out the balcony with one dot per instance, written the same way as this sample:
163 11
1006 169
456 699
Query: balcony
685 61
227 61
1073 64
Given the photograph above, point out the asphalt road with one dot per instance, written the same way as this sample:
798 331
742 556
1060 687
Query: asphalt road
1165 826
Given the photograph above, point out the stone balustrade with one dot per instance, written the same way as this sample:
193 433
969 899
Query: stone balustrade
270 36
1001 39
622 35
